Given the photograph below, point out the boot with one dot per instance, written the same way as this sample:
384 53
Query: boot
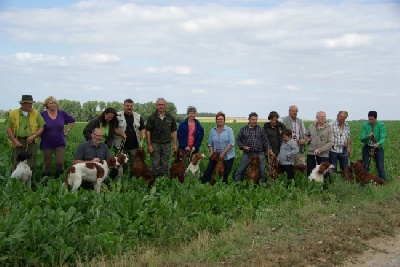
58 173
48 174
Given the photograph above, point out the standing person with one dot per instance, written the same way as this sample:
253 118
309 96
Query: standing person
287 153
274 129
320 138
341 149
107 122
93 150
296 125
160 131
252 139
220 139
53 137
373 135
190 133
23 126
132 129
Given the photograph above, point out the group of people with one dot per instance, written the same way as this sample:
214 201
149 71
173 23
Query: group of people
124 131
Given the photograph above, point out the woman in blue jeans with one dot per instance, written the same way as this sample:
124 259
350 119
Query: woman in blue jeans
373 135
220 139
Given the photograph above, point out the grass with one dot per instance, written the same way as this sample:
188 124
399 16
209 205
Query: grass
281 225
320 230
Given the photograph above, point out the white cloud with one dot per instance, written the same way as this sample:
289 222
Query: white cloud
169 69
347 41
273 50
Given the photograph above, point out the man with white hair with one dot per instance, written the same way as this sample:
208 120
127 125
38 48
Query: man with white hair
296 125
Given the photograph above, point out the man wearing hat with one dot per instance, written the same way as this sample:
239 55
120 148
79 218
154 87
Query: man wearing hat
23 126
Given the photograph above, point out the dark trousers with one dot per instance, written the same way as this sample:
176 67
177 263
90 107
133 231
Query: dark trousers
207 176
289 169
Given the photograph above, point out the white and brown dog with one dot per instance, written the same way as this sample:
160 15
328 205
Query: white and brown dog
122 159
318 172
193 169
94 172
22 171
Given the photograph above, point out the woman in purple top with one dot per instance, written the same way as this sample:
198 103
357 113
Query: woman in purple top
53 137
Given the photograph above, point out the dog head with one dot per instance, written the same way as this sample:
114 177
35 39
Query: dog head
196 158
179 155
324 167
122 159
112 163
24 155
254 161
215 156
357 166
140 154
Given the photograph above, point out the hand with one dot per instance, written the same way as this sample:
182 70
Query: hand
30 139
17 143
150 149
246 148
96 160
376 145
302 141
317 151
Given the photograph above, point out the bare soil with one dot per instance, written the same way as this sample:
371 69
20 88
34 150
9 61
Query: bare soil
383 251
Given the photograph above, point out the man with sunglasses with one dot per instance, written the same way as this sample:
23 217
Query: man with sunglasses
93 150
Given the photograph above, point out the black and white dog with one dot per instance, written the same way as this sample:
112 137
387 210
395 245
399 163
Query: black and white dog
22 171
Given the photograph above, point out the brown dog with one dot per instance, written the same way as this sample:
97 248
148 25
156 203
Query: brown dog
219 169
140 169
273 167
364 177
253 171
178 166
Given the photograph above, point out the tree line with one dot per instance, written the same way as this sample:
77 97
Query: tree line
91 109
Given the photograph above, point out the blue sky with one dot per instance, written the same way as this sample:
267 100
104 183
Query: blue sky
234 56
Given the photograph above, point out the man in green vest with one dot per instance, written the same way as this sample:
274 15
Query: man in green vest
298 129
23 126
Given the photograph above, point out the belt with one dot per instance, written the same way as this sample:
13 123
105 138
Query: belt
22 137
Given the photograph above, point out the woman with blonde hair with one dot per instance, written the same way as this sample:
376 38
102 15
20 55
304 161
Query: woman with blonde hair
53 137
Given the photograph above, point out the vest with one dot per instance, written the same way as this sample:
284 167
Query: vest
14 117
122 127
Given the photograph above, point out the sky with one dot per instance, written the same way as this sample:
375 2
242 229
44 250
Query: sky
237 56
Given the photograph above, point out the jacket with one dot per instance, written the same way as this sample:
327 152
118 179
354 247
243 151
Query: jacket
183 133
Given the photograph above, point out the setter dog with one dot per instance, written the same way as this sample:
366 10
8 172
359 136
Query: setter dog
219 169
273 166
253 171
318 172
178 166
140 169
364 177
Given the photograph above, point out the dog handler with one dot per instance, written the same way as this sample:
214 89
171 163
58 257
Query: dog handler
23 126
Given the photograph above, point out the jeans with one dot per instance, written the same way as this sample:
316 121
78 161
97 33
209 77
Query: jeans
343 159
210 168
160 159
379 157
244 163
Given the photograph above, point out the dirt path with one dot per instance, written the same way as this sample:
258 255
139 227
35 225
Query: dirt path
383 252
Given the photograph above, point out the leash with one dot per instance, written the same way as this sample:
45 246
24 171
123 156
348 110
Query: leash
121 147
188 157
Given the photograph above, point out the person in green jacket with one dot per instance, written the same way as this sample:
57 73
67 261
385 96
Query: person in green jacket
373 135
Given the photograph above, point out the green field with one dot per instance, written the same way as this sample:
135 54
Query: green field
194 224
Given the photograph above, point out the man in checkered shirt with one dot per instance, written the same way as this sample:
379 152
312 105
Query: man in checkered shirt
341 149
252 139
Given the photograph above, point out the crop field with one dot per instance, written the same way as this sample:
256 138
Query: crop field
194 224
